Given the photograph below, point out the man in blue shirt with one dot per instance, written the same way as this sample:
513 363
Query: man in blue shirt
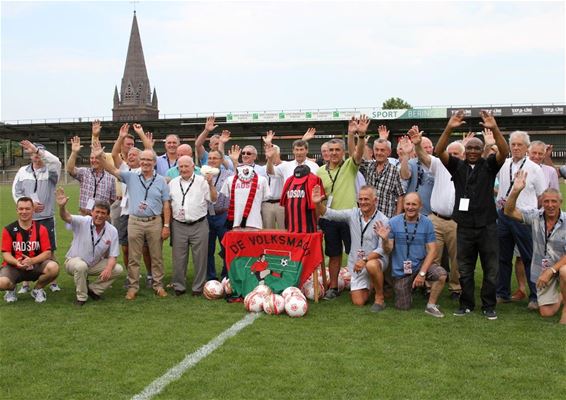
410 240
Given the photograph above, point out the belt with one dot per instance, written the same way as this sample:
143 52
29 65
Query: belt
144 219
272 201
196 221
442 216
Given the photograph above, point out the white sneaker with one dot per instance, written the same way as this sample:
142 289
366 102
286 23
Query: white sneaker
24 289
39 295
10 296
54 287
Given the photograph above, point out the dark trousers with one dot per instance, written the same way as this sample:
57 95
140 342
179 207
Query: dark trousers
217 229
471 242
511 233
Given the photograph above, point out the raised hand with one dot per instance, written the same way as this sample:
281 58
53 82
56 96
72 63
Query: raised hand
149 135
125 129
234 153
269 151
76 144
96 127
488 120
97 149
61 197
382 230
209 124
520 180
316 194
467 137
268 138
456 120
352 126
28 146
309 134
138 129
383 132
225 136
415 135
363 124
488 138
405 145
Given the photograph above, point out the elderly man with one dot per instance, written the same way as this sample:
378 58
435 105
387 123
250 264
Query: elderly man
537 152
441 205
182 150
38 181
474 211
93 251
148 198
168 160
217 142
339 182
366 260
190 195
26 251
95 183
411 242
509 231
548 227
272 213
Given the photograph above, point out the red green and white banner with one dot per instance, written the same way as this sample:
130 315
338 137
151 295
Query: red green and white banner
280 259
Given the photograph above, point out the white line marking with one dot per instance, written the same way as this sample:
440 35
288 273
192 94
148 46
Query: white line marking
155 387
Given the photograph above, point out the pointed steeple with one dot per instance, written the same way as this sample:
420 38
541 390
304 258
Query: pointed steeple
116 97
154 97
135 102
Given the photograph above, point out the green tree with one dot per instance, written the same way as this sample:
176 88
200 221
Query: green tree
395 103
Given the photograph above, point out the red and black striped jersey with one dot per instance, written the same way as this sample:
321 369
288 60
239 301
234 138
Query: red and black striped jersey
19 242
300 211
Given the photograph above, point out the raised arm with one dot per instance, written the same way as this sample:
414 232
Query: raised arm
510 205
406 147
351 139
488 141
502 146
146 138
96 128
416 137
75 149
269 155
309 134
199 143
234 154
362 128
224 138
98 151
454 122
117 148
62 200
317 198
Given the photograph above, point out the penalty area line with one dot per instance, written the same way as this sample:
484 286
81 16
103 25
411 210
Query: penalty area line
155 387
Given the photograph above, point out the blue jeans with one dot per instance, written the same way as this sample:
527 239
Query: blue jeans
511 233
217 229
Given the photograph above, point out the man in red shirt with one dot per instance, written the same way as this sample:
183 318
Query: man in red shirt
27 254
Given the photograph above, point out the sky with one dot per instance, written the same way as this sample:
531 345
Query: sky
63 59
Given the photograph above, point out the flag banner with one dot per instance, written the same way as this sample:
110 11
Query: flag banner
277 258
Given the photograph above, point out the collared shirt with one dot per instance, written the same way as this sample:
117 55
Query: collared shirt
194 204
551 176
555 249
388 185
442 196
163 164
421 182
340 183
227 160
222 201
124 188
275 182
535 184
89 180
287 168
370 243
475 184
96 247
140 204
40 183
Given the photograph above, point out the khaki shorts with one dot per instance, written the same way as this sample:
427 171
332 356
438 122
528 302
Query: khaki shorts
16 275
550 294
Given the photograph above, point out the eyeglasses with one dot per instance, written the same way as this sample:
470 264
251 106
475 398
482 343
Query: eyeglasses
247 153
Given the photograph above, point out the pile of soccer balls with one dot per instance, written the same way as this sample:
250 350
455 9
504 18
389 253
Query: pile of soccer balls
344 279
291 301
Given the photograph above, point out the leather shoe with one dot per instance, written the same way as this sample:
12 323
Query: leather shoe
93 295
180 292
80 303
160 292
131 294
197 294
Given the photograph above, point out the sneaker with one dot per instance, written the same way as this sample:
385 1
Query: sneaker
24 289
434 311
39 295
490 314
10 296
533 305
54 287
461 312
376 307
331 294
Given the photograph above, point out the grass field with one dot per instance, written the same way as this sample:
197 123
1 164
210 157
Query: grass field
113 349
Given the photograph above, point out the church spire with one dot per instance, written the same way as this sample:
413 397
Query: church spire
135 100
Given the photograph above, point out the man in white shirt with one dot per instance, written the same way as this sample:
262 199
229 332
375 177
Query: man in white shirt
190 194
94 249
509 231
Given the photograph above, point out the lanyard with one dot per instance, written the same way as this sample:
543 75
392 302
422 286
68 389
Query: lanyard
169 164
511 179
409 241
335 176
216 181
95 182
34 177
363 230
94 244
547 234
147 187
189 188
420 175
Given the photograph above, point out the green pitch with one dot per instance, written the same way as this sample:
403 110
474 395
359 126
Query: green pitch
113 349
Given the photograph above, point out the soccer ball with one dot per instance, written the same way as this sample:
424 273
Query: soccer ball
308 290
213 290
263 289
284 262
292 290
296 306
255 302
563 171
273 304
247 299
227 286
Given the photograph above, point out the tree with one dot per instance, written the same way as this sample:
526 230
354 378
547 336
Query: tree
395 103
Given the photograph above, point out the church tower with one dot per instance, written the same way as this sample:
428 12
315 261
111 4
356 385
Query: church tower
135 101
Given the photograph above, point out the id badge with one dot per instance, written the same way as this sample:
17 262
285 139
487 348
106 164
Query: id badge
124 202
361 254
90 204
464 204
501 203
546 264
143 205
180 215
407 267
329 201
35 198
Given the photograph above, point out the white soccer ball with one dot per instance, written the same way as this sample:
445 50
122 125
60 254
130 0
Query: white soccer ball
207 169
296 306
227 286
274 304
263 289
255 302
247 299
213 290
308 290
292 290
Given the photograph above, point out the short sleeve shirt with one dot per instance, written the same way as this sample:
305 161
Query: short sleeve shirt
340 183
146 196
90 245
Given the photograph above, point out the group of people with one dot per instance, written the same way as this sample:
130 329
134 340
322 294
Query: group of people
416 221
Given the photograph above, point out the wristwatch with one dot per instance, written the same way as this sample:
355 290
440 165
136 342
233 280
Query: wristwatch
166 225
422 273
